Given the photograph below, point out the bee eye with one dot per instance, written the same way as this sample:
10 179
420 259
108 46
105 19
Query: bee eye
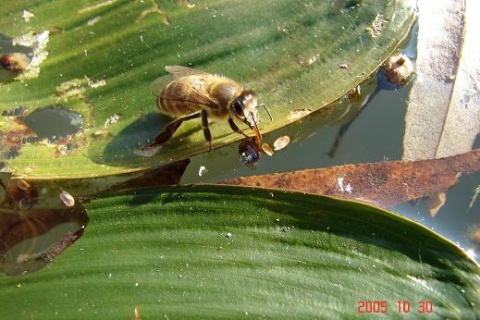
238 108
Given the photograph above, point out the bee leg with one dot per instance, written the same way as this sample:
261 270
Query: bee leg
170 129
235 128
206 131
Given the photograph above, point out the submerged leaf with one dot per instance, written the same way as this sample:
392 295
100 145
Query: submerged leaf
91 187
30 240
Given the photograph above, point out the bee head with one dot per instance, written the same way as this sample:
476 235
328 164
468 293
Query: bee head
244 107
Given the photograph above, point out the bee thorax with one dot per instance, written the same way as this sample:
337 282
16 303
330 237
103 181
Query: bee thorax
225 92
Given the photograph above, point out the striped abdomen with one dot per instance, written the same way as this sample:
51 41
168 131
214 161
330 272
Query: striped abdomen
183 96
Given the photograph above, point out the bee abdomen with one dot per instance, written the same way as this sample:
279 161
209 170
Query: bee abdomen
173 101
176 108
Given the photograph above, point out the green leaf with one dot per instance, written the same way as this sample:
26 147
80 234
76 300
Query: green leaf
295 55
219 251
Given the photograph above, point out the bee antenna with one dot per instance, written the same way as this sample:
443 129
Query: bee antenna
266 109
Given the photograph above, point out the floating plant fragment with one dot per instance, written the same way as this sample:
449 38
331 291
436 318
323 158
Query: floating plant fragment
67 199
267 149
281 143
202 171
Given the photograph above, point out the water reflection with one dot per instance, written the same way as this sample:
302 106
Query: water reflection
33 231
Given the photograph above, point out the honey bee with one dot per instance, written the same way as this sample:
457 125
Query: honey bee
196 94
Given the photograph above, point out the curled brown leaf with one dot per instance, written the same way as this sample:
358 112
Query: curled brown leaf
384 184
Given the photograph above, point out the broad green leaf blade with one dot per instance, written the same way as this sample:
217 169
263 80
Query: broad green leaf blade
102 57
219 251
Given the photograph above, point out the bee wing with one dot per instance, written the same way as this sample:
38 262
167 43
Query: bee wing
159 84
191 89
175 72
180 71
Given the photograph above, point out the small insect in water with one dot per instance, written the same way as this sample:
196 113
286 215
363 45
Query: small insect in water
196 94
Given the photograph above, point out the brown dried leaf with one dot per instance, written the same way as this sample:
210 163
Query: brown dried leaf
384 184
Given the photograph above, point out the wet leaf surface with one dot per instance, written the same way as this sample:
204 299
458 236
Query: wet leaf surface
385 184
98 60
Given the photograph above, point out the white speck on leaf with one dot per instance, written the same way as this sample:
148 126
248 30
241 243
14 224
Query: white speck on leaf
27 15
